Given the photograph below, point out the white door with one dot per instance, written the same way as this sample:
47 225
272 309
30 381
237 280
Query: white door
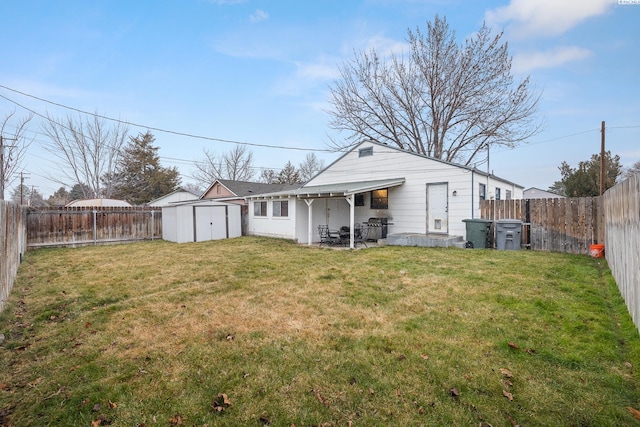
211 223
438 208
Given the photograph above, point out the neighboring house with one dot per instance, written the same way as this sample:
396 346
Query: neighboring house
374 183
536 193
179 195
236 191
97 202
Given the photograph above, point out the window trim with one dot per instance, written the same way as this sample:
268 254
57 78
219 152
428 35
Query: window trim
261 213
277 213
482 191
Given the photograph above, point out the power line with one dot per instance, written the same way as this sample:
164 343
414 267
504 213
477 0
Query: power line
189 135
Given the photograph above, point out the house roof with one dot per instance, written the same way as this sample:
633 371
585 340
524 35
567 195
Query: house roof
334 190
177 190
247 188
469 168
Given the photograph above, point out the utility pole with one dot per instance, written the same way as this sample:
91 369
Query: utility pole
602 160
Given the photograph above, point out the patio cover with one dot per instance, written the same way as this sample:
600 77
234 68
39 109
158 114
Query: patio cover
342 189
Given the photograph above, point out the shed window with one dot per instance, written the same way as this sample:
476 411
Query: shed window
482 192
259 208
380 199
363 152
497 193
281 208
507 194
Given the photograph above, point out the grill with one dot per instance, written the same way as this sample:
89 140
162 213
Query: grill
376 224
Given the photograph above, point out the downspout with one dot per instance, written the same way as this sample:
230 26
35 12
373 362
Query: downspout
472 195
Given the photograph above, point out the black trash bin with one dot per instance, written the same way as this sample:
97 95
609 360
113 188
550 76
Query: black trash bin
508 233
478 231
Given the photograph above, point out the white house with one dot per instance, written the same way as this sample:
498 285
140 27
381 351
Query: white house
414 194
178 195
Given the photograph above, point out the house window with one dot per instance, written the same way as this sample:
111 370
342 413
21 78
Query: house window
497 193
363 152
259 208
482 192
281 208
380 199
507 194
359 199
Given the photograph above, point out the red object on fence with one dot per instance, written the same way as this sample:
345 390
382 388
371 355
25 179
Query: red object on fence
596 251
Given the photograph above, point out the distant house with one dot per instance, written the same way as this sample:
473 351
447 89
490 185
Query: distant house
235 191
407 194
179 195
536 193
98 202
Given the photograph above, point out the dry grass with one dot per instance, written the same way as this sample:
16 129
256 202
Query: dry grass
293 335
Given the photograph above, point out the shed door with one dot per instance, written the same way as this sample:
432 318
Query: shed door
437 208
210 223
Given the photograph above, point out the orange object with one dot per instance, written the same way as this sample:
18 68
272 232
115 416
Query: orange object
596 251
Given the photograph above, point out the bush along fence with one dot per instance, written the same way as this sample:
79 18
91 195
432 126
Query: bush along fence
568 225
622 244
13 244
83 226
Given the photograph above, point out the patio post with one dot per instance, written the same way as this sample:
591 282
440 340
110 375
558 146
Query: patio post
352 216
309 202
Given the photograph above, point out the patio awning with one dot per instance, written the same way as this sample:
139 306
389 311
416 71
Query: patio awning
344 189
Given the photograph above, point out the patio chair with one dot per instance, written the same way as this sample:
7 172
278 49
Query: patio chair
360 235
323 231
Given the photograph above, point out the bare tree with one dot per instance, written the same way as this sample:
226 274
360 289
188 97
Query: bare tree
236 165
268 176
633 170
13 147
310 167
88 150
442 99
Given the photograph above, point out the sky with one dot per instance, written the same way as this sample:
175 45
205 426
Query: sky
258 72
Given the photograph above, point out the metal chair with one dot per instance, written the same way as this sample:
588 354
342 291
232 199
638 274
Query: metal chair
360 235
323 231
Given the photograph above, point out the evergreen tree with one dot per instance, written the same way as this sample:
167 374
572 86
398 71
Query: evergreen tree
289 175
584 180
139 178
60 198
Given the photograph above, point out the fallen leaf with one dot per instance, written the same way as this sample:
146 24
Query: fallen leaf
425 356
176 420
509 383
230 337
96 423
112 405
468 377
3 386
265 421
401 357
634 412
221 402
454 392
514 345
507 373
371 392
87 325
508 395
421 410
97 407
628 365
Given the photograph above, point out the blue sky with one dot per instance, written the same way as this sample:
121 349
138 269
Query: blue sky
258 71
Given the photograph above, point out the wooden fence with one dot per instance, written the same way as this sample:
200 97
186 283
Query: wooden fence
568 225
622 243
13 244
82 226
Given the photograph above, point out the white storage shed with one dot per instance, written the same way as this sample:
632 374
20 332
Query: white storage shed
200 221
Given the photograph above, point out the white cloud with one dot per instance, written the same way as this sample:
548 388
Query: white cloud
525 62
258 15
545 18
